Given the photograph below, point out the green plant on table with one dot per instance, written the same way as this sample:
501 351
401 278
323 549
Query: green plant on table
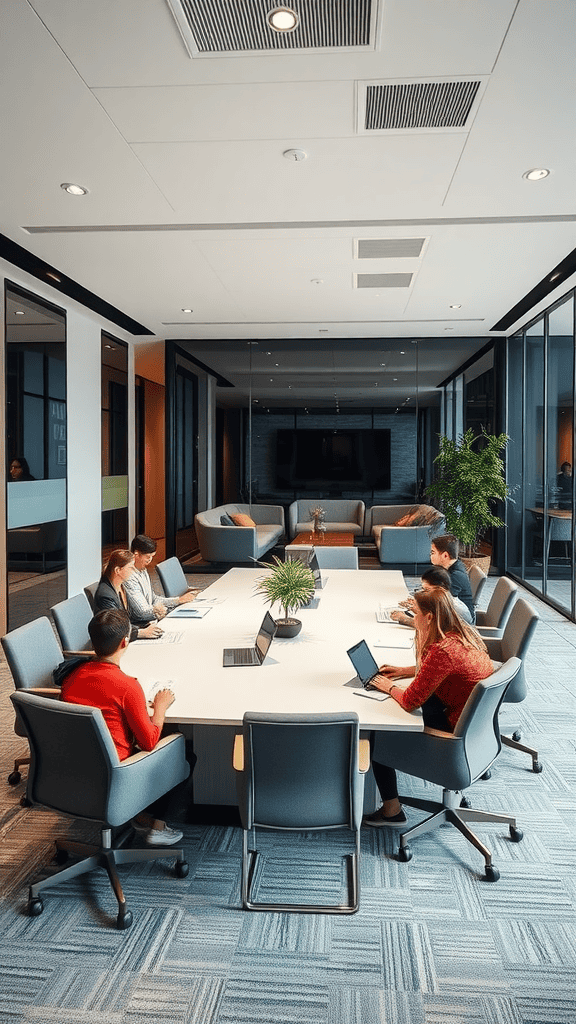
470 476
289 584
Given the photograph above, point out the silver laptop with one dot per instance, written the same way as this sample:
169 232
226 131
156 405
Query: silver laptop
237 656
309 558
364 664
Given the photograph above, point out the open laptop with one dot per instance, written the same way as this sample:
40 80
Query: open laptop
364 664
237 656
309 558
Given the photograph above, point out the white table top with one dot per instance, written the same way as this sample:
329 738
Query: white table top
303 675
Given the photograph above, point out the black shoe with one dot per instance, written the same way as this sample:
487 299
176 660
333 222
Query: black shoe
378 819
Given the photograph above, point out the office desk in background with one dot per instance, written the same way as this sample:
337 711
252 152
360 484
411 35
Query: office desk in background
302 675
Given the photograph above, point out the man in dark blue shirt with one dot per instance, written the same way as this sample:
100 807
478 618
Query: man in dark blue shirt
444 552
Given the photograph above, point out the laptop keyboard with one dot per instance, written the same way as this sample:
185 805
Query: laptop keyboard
244 657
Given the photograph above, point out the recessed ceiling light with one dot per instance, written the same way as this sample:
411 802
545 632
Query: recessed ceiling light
448 328
19 312
456 305
382 364
394 378
555 276
53 277
282 19
110 347
187 310
74 190
536 174
402 353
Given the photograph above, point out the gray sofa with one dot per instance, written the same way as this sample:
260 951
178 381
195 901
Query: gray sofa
342 515
398 544
220 543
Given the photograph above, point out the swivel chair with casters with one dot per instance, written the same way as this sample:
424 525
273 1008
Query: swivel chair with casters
454 761
71 618
75 770
514 643
300 773
172 578
491 622
90 592
477 583
32 653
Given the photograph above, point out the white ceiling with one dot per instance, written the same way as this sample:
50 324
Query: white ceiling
191 203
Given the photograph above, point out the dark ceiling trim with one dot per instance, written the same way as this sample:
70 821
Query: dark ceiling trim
33 265
469 362
221 381
548 284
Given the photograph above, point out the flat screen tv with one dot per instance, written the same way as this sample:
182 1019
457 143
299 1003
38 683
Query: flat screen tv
337 459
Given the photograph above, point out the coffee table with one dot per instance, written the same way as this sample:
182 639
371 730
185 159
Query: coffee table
327 539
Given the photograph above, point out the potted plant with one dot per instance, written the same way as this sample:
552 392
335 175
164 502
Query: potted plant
470 477
291 585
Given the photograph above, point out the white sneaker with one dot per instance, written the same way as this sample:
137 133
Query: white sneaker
163 836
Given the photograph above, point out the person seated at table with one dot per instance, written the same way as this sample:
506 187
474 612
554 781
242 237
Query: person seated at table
101 683
110 592
434 577
564 485
144 604
444 553
451 659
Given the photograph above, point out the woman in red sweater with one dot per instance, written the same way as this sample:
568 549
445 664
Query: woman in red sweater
451 659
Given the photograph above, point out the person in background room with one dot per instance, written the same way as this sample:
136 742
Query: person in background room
19 470
444 552
111 594
564 485
144 604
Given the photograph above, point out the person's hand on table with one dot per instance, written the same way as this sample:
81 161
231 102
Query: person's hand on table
393 672
189 595
150 632
159 610
163 699
401 618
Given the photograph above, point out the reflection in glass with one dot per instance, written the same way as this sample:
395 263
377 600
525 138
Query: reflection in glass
515 511
560 456
114 444
533 426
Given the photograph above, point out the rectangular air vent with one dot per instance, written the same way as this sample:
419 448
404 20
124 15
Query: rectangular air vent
383 280
401 106
388 248
216 27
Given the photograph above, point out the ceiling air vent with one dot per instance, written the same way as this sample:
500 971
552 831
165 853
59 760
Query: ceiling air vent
410 106
388 248
383 280
219 27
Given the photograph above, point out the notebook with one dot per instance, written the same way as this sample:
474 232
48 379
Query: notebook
239 656
384 613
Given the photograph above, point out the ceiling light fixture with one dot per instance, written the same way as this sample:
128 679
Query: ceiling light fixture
295 155
456 305
282 19
187 310
53 277
74 190
536 174
19 312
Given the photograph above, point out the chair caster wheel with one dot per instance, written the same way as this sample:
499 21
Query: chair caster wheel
487 774
61 856
537 767
517 736
124 921
35 907
181 869
14 778
491 874
404 854
465 802
25 802
516 834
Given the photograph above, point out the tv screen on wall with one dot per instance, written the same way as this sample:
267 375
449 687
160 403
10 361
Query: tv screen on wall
339 459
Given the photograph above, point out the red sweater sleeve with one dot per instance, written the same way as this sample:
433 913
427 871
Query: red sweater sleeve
134 706
434 669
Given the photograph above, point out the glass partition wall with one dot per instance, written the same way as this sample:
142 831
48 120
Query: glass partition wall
114 444
36 448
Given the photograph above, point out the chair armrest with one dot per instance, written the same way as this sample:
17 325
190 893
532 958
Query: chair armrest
75 654
141 754
238 753
363 755
45 691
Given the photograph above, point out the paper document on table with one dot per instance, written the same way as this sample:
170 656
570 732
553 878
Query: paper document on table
395 636
151 689
165 638
190 611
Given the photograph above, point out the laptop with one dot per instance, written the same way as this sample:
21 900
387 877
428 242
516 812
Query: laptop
364 664
238 656
309 558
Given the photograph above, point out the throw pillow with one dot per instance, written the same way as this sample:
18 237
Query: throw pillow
241 519
407 520
225 520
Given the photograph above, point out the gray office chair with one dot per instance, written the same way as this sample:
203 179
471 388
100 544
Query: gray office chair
300 773
337 558
477 583
172 577
71 618
32 653
75 770
514 643
454 761
492 621
560 530
90 592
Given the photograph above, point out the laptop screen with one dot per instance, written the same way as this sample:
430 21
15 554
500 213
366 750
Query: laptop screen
265 634
363 661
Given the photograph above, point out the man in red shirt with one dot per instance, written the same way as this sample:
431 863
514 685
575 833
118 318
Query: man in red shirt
101 683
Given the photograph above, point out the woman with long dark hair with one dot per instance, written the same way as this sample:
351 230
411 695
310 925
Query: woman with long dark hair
451 659
110 592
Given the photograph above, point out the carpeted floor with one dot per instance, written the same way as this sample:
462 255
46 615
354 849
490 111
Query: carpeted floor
432 944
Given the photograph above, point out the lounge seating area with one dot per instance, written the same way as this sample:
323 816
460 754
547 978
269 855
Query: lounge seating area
402 533
222 539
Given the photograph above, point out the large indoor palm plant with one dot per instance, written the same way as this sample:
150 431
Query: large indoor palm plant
469 478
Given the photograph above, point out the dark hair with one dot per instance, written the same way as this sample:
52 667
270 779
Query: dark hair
445 619
569 464
118 559
107 630
27 475
447 542
143 545
437 577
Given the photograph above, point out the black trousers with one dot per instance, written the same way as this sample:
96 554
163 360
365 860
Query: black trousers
434 715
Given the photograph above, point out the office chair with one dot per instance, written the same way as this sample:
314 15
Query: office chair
560 531
337 558
454 761
32 653
90 592
514 643
71 618
75 770
477 583
300 773
172 577
491 622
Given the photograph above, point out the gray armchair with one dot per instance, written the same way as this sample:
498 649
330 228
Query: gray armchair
221 543
296 773
402 544
75 770
491 622
454 761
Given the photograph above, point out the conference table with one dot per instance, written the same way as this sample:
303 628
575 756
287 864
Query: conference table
310 673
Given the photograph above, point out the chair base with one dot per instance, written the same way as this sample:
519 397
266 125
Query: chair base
104 856
450 812
249 861
509 741
15 776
